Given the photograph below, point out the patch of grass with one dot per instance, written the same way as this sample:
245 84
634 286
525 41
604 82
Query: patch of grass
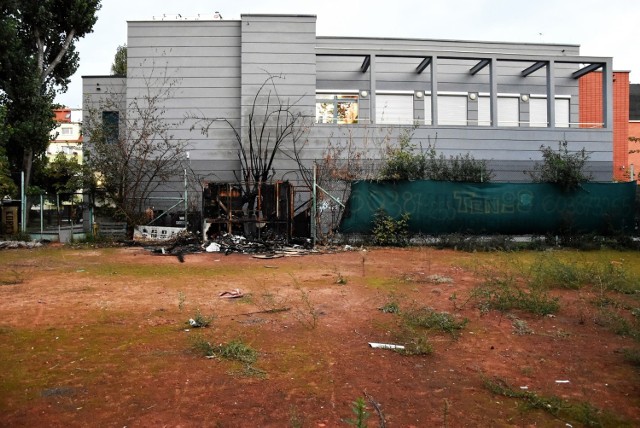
520 327
618 324
502 293
416 345
576 413
430 319
632 356
236 350
199 320
11 277
390 308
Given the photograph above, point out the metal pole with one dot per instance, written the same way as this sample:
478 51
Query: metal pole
23 205
632 175
313 208
41 215
185 200
58 211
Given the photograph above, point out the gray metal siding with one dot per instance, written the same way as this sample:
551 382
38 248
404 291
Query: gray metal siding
203 59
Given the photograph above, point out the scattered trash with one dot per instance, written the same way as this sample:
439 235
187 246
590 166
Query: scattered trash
9 245
214 247
562 381
348 248
195 324
524 387
232 294
439 279
385 346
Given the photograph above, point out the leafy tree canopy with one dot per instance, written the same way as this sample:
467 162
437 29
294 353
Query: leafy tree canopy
37 58
119 66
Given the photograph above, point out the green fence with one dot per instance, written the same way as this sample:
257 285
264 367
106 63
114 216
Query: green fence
506 208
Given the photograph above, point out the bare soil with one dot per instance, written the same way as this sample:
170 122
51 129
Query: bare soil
99 337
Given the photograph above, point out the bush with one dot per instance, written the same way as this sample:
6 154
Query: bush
566 170
402 163
388 231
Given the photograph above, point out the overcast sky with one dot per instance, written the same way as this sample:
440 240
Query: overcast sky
602 28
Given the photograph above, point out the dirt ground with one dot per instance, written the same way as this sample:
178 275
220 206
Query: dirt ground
99 337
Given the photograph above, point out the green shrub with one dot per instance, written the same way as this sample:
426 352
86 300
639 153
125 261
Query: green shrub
430 319
389 232
402 163
565 169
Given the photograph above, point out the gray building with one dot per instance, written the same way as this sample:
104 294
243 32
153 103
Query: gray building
498 101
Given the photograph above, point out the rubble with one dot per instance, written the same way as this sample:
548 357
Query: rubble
9 245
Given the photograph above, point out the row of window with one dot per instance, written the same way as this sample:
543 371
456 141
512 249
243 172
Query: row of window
452 110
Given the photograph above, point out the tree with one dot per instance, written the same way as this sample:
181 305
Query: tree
274 127
63 175
7 186
130 150
37 58
119 66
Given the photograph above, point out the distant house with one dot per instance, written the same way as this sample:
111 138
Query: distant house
498 101
67 136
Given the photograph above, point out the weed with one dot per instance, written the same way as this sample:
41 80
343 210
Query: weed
390 308
235 350
618 323
199 320
359 409
416 345
341 280
430 319
520 327
14 277
575 413
308 314
181 300
503 294
632 356
295 420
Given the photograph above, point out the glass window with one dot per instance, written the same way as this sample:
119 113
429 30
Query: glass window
66 131
452 110
394 109
110 125
337 108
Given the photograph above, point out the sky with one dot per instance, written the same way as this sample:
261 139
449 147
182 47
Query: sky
606 29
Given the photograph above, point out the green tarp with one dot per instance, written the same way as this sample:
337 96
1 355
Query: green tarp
506 208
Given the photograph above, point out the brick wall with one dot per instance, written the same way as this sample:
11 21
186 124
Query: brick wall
590 95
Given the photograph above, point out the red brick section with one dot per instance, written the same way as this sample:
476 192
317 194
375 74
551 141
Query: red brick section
590 96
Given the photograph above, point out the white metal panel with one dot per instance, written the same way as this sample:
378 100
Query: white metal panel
394 109
452 110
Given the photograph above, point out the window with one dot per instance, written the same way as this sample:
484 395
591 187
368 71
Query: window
110 125
337 108
452 110
538 112
508 111
65 130
394 109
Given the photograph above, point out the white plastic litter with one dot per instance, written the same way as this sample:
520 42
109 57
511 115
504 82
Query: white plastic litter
214 247
385 346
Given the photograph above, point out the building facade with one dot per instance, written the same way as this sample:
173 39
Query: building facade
66 137
497 101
